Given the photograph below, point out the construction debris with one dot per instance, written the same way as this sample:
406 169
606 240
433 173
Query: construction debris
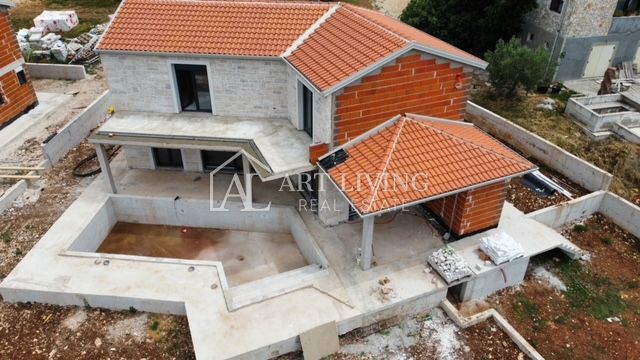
449 264
384 290
42 44
501 247
56 21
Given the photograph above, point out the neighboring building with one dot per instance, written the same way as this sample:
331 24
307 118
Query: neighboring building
287 84
583 36
16 92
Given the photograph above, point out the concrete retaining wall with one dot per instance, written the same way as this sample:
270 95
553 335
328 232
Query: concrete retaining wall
56 71
582 109
620 211
487 283
11 194
96 230
76 130
577 170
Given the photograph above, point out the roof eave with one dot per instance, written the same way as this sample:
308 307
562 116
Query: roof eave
160 53
442 195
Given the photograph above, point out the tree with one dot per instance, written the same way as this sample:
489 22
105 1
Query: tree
513 64
472 25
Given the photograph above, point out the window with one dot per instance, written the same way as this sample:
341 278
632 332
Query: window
193 87
530 37
168 158
1 99
307 110
556 5
211 160
22 76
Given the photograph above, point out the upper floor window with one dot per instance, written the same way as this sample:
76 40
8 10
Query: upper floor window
1 99
556 5
22 76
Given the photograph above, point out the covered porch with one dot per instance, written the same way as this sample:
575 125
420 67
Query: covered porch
272 147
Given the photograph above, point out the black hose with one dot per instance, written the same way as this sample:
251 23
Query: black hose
76 170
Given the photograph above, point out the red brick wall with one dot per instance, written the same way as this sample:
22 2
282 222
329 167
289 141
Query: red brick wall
475 210
9 50
17 98
316 151
410 85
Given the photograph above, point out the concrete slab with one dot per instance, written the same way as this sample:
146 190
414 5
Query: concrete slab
30 124
285 148
320 341
258 328
245 255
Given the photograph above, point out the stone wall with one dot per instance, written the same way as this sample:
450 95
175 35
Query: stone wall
588 18
240 87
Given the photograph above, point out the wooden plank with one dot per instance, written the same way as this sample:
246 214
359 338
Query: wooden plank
26 177
21 168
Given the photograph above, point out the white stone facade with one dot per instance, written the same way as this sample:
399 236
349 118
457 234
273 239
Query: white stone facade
239 86
583 18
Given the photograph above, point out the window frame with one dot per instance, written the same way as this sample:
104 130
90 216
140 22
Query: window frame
22 76
559 6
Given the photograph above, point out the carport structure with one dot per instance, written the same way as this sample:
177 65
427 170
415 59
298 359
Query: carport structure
457 170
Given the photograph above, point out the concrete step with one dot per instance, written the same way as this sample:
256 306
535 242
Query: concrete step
272 286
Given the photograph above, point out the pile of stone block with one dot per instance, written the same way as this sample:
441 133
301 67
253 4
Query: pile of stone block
42 43
449 264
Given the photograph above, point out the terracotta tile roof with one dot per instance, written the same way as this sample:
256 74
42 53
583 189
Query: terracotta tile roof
210 27
343 45
423 157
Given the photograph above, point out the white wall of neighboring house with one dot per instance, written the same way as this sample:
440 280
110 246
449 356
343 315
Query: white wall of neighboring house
240 87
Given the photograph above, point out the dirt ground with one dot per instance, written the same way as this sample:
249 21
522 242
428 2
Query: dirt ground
525 200
430 335
598 315
618 158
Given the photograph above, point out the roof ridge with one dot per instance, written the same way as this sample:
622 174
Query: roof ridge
469 143
348 6
388 155
307 33
262 2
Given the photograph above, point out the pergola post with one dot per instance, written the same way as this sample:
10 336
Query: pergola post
246 170
366 257
103 158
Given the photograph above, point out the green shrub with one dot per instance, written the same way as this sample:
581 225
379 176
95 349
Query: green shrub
513 65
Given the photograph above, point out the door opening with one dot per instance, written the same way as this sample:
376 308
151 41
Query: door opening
307 110
167 158
193 88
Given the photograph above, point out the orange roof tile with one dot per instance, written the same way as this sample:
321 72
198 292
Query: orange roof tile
347 40
210 27
412 158
343 45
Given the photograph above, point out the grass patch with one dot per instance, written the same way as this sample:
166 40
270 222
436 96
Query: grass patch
526 310
592 292
5 237
580 227
154 325
607 241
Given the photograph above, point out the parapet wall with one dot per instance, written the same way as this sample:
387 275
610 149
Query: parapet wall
577 170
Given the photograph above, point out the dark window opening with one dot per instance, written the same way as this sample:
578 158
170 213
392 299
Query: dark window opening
307 110
1 99
212 160
22 77
167 158
626 7
193 88
556 5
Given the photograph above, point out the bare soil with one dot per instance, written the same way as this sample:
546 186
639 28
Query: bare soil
619 158
525 200
598 317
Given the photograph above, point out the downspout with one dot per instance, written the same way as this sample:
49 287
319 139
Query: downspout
564 10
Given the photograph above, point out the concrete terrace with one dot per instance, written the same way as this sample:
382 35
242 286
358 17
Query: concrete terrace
279 143
242 321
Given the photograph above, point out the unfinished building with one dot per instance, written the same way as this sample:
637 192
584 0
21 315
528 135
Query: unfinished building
341 132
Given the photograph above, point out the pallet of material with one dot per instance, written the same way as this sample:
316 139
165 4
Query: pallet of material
449 265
